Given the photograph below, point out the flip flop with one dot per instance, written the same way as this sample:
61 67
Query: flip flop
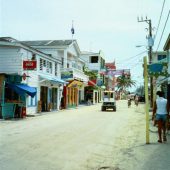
160 141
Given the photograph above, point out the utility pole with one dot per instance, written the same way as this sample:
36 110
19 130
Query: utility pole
150 44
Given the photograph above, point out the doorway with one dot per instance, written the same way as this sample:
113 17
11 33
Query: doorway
43 98
54 98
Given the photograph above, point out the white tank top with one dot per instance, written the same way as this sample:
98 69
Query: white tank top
161 106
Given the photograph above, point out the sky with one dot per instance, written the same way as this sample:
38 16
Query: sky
107 25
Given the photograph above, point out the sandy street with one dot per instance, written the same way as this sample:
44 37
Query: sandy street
82 139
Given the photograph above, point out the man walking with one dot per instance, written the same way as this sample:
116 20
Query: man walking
161 109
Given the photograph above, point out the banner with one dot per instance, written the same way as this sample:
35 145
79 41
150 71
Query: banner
118 72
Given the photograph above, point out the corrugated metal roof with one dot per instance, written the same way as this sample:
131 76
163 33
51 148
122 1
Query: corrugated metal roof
48 42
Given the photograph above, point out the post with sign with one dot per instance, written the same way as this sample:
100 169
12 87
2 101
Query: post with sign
146 99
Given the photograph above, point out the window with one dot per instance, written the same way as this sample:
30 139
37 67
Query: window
161 57
41 64
79 67
94 59
32 101
73 65
56 69
46 66
62 62
50 67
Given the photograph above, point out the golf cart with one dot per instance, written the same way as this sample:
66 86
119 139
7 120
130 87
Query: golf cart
109 101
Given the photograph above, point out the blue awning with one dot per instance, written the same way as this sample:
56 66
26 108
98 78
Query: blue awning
52 79
21 89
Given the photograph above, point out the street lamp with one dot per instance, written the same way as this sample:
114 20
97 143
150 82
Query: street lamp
138 46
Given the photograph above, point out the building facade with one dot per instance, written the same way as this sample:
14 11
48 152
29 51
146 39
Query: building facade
16 62
68 52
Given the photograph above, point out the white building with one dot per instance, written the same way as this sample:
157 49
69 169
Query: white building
45 78
95 62
68 52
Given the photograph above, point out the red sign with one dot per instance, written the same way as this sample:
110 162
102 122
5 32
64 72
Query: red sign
29 65
92 82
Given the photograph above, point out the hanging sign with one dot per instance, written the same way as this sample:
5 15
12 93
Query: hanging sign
29 65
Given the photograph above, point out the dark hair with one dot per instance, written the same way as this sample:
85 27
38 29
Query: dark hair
160 93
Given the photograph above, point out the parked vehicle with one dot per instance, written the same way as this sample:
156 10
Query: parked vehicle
109 101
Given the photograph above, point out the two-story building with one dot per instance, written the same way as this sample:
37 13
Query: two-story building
68 52
96 63
162 82
30 79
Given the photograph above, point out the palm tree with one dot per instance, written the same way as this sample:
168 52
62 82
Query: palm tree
124 82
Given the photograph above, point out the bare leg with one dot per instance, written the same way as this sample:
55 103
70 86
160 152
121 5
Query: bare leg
160 131
164 130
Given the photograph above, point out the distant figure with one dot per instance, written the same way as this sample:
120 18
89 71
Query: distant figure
88 98
106 97
129 100
161 109
129 103
136 100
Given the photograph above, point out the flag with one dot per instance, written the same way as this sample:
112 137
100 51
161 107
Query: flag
72 30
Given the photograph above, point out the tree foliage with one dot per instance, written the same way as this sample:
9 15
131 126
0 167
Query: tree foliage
124 82
92 75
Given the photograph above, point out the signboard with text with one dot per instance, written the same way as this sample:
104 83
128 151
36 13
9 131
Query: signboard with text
29 65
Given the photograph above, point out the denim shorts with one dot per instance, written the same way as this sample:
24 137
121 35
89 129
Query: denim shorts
161 117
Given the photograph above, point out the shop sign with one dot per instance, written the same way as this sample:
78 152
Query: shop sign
29 65
66 74
158 69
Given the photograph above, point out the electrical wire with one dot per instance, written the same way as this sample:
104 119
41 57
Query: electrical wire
163 30
134 56
160 19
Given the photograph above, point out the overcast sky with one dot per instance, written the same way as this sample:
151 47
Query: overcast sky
107 25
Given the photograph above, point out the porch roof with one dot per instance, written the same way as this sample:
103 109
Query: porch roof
53 79
21 89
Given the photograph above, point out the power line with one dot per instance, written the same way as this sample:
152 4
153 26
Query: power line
134 56
160 18
163 31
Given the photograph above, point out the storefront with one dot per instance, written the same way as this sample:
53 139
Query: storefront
50 93
13 96
93 91
71 94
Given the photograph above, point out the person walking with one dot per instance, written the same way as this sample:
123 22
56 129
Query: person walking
88 98
136 100
160 114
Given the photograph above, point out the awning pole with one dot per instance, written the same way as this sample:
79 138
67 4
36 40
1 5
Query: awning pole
3 93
